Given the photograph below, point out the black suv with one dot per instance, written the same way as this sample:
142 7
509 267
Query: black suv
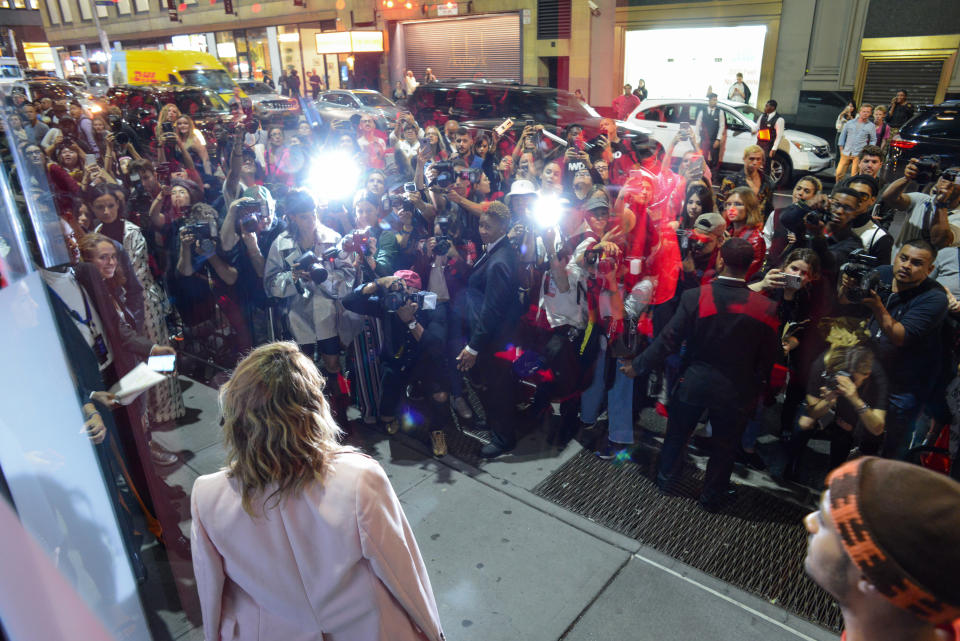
486 104
933 131
141 104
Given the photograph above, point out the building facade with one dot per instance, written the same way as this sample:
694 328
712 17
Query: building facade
810 55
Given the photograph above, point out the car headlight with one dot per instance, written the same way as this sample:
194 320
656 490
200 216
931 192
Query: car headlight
804 146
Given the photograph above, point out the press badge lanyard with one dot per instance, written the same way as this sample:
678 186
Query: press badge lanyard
98 344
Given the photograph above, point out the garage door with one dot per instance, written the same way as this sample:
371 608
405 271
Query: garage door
480 46
885 77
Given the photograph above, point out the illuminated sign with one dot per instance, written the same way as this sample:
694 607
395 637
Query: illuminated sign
367 40
349 42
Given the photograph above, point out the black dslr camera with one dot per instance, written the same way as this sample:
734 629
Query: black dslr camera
815 216
444 242
250 214
309 263
927 168
830 380
119 135
395 299
445 175
689 243
861 270
604 264
205 236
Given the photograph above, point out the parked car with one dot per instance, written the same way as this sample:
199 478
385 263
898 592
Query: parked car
141 104
267 103
933 131
484 105
94 85
799 153
817 113
31 74
344 104
58 91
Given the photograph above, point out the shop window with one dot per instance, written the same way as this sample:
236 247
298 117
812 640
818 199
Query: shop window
65 10
19 4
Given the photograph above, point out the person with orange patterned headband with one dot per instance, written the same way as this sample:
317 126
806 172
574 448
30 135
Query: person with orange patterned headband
885 543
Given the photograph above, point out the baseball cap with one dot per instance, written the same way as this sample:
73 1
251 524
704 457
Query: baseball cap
710 223
410 277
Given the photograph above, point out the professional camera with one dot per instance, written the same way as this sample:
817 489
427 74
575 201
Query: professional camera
690 242
356 241
830 380
249 124
815 216
604 264
120 137
393 201
444 242
444 176
395 299
861 270
250 214
205 236
309 263
163 171
927 168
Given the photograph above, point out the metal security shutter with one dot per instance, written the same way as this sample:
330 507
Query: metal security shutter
488 46
884 77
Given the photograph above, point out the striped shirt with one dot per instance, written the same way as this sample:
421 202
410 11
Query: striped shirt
856 135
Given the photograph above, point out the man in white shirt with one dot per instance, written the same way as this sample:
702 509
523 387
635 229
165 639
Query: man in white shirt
928 216
739 91
770 129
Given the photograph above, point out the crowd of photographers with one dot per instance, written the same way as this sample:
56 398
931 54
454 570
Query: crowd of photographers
540 267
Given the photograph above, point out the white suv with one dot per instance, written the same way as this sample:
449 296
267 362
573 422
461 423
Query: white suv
799 152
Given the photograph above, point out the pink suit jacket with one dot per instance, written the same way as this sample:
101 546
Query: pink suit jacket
338 562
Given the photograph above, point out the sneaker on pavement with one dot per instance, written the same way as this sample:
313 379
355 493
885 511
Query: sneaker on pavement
439 442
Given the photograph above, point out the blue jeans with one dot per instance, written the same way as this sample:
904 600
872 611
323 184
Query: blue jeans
619 402
902 413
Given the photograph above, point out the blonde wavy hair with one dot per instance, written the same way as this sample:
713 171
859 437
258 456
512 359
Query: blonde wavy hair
277 425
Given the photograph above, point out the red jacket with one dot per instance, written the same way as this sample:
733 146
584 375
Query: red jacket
755 236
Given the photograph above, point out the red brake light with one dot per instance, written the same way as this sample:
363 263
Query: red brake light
903 144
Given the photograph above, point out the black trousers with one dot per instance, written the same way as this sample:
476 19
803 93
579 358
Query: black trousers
495 373
728 422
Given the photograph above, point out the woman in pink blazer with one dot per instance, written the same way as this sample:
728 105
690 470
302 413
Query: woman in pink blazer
300 538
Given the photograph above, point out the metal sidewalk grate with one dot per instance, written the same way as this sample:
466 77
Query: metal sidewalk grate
758 544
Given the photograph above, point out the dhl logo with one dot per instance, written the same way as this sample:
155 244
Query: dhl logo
144 76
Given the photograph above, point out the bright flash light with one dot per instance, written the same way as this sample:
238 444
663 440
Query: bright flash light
95 109
334 176
547 211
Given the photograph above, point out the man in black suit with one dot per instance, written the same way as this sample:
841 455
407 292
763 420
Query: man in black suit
492 309
731 335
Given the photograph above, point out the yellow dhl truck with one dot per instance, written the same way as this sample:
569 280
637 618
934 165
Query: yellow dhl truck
175 67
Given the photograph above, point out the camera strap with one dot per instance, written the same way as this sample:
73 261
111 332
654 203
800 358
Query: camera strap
927 215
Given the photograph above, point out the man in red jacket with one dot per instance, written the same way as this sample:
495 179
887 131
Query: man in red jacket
731 337
623 105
